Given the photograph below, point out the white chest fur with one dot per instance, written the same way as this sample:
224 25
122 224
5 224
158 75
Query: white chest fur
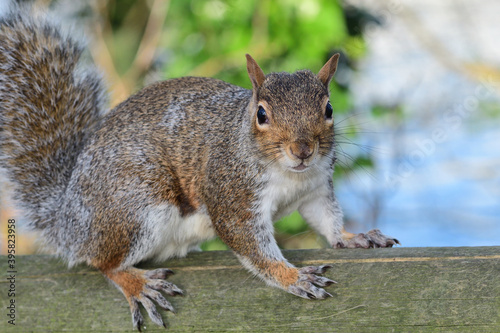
283 193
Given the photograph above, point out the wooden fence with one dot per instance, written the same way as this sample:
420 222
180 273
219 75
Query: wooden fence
378 290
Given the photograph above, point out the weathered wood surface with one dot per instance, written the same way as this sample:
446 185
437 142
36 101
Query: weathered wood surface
378 290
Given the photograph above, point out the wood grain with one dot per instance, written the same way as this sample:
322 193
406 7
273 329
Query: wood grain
378 290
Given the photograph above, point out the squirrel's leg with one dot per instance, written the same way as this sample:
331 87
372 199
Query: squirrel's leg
254 244
322 211
144 287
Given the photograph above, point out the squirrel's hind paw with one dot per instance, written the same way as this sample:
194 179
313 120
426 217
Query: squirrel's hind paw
373 238
308 283
145 287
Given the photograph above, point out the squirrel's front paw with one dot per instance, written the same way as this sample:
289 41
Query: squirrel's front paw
308 282
144 287
373 238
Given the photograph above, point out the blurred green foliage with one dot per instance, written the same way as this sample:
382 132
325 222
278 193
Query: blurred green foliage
283 35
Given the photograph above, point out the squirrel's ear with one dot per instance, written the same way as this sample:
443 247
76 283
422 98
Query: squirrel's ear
326 73
254 72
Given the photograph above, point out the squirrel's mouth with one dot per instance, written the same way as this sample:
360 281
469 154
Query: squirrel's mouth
300 167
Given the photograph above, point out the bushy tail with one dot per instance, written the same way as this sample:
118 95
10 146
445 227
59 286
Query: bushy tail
49 105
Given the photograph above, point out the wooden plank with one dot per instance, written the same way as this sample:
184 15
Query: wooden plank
400 289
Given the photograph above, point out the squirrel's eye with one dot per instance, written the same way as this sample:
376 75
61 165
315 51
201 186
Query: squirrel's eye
328 111
262 116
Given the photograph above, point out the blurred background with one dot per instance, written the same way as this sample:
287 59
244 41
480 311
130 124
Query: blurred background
416 97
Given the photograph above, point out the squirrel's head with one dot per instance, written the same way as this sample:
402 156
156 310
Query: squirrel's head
291 114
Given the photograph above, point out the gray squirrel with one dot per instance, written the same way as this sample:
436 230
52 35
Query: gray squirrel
179 162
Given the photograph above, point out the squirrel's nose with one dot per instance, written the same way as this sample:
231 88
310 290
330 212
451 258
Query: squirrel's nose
301 150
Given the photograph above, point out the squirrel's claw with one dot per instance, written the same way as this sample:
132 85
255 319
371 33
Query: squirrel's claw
308 283
320 281
158 298
167 287
150 309
306 289
137 319
371 239
146 298
315 269
160 273
378 239
151 292
145 287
